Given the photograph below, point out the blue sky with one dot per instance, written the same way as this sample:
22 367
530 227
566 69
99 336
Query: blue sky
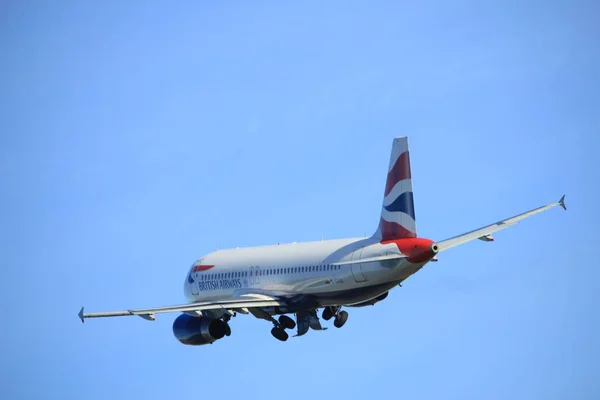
136 137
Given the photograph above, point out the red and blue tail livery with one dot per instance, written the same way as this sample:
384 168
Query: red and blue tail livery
397 219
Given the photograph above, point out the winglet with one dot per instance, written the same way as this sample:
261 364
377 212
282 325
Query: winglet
561 202
80 315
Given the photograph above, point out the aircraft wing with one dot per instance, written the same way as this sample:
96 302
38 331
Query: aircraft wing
485 233
148 313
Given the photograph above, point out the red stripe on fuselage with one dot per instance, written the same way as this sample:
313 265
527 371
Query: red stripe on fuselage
199 268
400 171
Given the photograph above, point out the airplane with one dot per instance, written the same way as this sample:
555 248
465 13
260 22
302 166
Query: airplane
299 279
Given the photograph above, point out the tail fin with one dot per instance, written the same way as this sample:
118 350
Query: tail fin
398 211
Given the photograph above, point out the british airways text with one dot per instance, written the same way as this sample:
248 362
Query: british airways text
220 284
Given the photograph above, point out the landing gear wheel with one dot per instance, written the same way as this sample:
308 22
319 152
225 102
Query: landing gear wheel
279 334
327 314
227 330
286 322
340 319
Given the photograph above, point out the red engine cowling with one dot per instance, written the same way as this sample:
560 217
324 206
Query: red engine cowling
196 331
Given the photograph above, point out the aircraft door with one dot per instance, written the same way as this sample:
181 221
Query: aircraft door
356 267
193 281
255 275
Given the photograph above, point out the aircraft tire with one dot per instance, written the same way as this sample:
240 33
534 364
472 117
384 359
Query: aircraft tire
286 322
279 334
327 314
340 319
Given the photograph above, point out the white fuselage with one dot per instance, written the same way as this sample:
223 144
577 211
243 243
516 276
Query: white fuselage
303 270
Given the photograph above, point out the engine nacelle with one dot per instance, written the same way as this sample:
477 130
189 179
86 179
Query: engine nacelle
371 301
196 331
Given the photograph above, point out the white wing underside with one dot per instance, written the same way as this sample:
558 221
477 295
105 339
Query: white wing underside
485 232
148 313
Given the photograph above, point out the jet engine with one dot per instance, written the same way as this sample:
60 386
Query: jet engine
196 331
371 301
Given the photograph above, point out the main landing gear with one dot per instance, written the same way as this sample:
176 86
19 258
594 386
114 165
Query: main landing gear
340 319
340 316
281 325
